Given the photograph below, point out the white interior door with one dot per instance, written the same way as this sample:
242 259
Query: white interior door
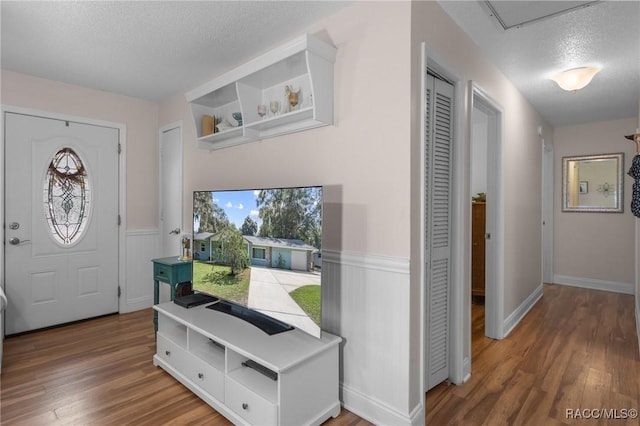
547 212
171 190
438 124
61 214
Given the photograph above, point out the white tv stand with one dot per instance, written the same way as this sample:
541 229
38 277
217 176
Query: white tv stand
218 357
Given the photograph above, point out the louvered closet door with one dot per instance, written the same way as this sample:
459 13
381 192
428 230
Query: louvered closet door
438 154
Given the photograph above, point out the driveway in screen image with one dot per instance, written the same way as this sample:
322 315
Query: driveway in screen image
269 292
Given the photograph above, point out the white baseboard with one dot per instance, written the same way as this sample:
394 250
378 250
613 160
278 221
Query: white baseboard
520 312
616 287
378 412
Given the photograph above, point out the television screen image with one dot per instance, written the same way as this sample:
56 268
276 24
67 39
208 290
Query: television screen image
261 249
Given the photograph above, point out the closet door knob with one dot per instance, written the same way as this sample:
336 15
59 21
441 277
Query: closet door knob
167 353
245 406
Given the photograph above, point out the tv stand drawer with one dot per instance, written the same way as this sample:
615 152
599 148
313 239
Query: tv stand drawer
249 405
171 352
210 379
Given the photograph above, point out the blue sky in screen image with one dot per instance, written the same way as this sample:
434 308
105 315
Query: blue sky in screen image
238 205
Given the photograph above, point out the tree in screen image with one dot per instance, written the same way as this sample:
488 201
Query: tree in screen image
211 217
249 227
292 213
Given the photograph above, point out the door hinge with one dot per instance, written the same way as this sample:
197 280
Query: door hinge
119 291
119 148
119 220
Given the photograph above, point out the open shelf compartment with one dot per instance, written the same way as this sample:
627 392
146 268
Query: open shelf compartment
174 331
208 350
251 378
304 66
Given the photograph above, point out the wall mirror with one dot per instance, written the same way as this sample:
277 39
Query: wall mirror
593 183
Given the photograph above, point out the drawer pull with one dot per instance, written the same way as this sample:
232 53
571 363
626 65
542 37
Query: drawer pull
167 353
200 376
245 406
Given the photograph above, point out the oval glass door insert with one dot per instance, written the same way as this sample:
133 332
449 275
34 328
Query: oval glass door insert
66 196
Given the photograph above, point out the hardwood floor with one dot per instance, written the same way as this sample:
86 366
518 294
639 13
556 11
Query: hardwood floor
577 349
100 372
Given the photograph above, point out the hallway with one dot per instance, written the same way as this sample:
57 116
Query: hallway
576 350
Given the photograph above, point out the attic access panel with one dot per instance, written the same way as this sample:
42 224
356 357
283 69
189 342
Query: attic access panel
514 14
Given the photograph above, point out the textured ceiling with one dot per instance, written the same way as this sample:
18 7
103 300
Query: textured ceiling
145 49
153 50
605 34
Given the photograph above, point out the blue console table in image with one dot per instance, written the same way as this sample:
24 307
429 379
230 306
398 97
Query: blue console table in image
172 271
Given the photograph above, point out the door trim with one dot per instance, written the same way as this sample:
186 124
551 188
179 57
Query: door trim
122 184
494 287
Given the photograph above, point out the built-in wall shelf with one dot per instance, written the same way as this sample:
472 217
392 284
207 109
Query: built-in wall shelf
304 66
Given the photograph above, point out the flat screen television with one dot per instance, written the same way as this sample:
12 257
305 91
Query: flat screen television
259 252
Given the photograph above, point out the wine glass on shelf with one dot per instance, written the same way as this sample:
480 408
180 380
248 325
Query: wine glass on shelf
274 107
262 110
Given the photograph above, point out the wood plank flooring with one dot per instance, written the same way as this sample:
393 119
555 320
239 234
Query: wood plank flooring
576 349
100 372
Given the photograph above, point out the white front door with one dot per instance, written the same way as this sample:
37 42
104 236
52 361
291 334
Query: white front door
61 214
171 189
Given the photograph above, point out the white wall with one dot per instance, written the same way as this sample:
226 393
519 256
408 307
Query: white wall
521 151
594 249
362 154
521 183
363 162
372 208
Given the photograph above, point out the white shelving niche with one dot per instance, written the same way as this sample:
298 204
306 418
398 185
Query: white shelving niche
248 376
305 65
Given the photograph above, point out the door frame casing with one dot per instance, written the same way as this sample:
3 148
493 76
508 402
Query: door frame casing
460 318
174 125
122 195
494 287
548 182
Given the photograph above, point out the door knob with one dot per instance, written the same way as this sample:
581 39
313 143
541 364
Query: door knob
175 231
15 241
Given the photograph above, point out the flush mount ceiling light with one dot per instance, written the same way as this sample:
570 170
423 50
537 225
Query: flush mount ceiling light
575 78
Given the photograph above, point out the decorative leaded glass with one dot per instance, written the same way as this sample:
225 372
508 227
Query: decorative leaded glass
66 196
